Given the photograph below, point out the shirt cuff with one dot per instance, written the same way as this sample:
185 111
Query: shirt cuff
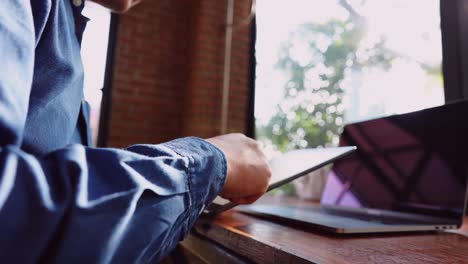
207 170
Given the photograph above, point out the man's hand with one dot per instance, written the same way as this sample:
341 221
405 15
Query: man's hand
248 171
118 6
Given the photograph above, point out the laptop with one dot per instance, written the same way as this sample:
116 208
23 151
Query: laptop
288 167
409 173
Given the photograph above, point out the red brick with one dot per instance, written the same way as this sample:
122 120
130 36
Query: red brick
168 77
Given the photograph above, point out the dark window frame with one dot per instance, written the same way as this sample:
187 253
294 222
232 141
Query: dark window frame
454 27
106 102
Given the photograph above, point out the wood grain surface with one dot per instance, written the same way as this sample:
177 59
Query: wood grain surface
264 241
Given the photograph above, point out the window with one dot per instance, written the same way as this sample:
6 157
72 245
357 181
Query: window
94 53
321 64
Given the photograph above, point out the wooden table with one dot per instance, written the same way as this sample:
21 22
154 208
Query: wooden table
233 237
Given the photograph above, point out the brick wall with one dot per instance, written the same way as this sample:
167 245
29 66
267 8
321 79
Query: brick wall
168 71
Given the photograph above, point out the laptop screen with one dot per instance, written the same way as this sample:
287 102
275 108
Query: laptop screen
415 162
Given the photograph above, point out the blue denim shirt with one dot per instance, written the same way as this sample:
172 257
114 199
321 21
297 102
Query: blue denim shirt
60 200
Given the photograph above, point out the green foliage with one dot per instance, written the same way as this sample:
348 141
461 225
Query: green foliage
311 112
316 57
319 61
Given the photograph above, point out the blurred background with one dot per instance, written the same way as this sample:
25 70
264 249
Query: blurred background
322 64
289 73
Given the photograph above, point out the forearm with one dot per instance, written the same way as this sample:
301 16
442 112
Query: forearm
94 205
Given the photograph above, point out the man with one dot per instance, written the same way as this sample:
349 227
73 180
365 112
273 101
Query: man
64 202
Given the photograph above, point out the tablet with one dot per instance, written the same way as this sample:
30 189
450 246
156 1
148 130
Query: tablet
287 167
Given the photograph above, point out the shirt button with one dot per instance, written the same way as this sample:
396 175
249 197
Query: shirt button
77 2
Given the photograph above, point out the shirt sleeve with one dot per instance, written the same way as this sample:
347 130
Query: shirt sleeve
102 204
90 205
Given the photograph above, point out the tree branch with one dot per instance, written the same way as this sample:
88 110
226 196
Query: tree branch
352 12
